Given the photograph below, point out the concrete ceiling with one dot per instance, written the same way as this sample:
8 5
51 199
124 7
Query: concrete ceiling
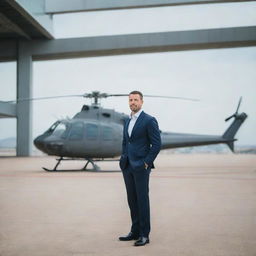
32 19
16 22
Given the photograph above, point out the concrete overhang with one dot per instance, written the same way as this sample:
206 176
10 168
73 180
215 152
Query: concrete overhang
67 6
24 19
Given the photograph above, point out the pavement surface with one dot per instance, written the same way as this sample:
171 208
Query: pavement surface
201 205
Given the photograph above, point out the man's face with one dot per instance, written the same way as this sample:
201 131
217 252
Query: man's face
135 102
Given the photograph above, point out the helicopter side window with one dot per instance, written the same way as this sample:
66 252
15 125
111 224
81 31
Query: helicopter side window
64 135
107 133
91 131
76 131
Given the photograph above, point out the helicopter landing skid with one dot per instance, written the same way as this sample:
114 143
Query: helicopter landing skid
95 166
55 168
89 161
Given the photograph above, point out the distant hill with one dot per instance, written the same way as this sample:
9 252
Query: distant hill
246 149
8 143
212 149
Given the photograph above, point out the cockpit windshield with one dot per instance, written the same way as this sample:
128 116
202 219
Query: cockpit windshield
59 129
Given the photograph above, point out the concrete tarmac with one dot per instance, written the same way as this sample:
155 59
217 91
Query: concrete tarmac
201 205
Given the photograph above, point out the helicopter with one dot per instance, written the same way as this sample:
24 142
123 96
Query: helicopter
95 133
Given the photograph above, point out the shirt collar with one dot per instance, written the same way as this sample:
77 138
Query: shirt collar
136 115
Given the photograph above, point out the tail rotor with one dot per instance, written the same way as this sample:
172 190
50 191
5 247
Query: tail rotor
233 128
236 113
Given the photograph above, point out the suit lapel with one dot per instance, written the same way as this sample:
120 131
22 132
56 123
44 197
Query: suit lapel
126 127
138 122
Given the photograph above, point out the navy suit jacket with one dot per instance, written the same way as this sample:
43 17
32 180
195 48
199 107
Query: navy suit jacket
143 145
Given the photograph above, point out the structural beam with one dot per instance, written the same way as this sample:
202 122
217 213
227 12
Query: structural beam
24 108
67 6
134 43
143 43
7 110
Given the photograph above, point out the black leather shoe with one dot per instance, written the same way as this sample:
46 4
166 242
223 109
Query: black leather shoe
142 241
129 237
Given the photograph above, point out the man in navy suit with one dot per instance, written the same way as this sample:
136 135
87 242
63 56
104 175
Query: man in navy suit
141 145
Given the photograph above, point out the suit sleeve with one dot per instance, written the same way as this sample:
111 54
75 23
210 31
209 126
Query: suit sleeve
155 141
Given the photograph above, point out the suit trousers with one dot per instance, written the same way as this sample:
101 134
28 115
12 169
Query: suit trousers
137 188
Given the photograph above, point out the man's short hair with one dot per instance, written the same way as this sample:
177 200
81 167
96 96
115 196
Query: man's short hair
137 92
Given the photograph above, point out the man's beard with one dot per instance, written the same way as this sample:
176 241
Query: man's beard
135 110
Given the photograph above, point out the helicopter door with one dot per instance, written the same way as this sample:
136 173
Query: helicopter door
92 139
75 144
108 141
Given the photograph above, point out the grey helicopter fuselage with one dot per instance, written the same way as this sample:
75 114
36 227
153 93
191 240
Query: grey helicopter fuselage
96 132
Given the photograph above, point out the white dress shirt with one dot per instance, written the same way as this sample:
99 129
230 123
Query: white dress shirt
133 121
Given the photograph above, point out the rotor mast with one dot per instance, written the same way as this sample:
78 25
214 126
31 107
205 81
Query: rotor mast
95 95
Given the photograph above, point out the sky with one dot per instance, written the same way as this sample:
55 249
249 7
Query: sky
217 77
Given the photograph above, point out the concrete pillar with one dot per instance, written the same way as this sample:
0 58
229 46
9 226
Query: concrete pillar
24 108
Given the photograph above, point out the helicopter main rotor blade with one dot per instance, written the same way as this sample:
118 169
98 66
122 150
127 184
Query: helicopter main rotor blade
44 98
172 97
97 95
156 96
